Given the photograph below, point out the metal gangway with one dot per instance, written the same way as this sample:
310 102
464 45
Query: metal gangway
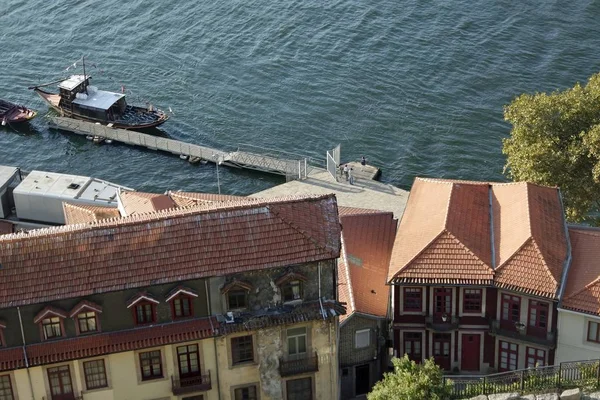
290 165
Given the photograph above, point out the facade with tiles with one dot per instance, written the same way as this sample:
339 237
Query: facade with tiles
211 301
477 272
367 241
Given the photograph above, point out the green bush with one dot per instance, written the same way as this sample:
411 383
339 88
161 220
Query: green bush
411 381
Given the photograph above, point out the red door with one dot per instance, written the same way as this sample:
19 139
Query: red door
412 346
60 383
511 311
441 350
469 359
538 318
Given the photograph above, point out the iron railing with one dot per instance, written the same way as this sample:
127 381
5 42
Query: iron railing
548 339
200 383
582 374
441 323
308 363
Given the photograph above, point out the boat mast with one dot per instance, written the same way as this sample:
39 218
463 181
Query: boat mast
84 77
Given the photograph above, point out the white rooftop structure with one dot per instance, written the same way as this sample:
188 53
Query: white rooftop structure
40 195
99 99
7 174
72 82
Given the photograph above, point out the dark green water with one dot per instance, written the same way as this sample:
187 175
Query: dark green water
416 86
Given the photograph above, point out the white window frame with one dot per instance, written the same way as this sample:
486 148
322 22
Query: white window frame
356 338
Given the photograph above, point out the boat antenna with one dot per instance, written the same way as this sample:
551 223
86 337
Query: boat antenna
84 77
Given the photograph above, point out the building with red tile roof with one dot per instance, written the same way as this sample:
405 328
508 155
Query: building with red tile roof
367 241
477 269
132 305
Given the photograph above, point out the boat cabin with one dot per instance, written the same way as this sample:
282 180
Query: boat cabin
77 96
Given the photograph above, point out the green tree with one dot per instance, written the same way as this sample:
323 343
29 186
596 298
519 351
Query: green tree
411 381
555 141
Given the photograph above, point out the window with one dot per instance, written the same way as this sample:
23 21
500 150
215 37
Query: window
442 301
472 301
61 386
242 349
511 311
151 365
413 299
188 359
182 307
245 393
362 338
86 322
95 374
412 346
237 299
144 313
509 355
538 318
6 392
296 338
593 332
292 290
441 350
51 327
535 357
299 389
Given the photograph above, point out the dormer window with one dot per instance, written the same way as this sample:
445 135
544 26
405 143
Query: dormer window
292 286
51 321
182 302
85 314
236 293
143 306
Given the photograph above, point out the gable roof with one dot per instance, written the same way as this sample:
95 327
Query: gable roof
444 235
141 202
186 199
479 233
164 247
82 213
367 241
582 292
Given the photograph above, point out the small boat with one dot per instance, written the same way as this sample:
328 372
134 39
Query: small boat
98 139
12 113
78 99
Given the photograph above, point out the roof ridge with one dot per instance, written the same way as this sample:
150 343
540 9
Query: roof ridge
347 272
543 260
470 251
527 194
154 217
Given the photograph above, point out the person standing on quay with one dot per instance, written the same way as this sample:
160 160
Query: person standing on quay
346 171
363 162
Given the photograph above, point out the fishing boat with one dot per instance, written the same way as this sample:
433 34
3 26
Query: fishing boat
78 99
12 113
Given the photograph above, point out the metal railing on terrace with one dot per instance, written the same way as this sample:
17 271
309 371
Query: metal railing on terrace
582 374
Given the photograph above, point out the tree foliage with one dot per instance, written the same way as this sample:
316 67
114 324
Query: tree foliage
411 381
555 141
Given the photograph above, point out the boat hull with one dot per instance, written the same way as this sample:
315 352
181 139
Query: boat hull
13 113
53 100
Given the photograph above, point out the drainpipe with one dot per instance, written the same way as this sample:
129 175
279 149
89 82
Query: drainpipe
320 301
25 352
214 338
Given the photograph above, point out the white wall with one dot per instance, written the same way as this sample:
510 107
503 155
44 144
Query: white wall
572 337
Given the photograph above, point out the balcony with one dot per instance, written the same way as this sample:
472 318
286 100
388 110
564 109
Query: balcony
301 365
520 332
443 323
200 383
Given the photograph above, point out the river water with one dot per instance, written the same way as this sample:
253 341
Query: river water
417 86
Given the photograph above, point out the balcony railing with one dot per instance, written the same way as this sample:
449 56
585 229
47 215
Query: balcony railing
200 383
295 366
442 323
520 332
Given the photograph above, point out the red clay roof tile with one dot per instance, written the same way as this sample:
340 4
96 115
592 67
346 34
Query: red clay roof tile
582 292
362 270
179 244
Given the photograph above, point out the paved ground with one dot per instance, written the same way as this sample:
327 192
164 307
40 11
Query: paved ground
364 193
